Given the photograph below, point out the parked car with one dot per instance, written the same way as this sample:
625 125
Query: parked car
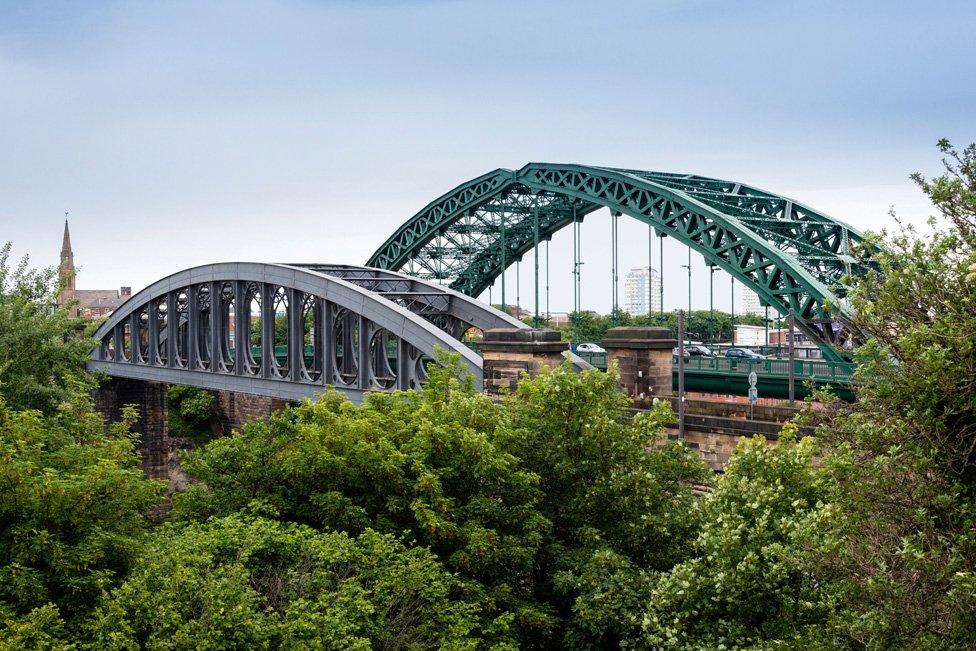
695 350
589 347
742 353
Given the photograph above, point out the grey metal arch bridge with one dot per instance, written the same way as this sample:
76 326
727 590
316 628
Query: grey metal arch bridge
354 328
792 256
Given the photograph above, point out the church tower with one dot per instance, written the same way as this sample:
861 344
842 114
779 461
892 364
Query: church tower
66 272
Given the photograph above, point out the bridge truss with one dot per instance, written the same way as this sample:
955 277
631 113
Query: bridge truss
287 330
793 257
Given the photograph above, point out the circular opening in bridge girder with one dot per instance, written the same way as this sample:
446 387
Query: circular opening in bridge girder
311 344
383 358
142 322
108 346
182 319
126 341
279 340
162 319
253 321
201 302
226 337
346 357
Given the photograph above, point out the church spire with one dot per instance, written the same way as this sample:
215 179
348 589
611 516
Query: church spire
66 241
66 272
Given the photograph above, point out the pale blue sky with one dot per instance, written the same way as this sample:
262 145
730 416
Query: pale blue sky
180 133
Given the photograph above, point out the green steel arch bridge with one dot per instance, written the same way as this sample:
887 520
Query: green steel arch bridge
794 257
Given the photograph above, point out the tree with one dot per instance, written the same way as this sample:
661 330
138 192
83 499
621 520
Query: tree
520 498
424 465
750 581
618 494
700 325
191 411
42 349
907 575
245 581
72 499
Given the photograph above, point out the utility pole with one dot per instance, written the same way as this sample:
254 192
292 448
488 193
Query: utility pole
576 261
535 237
711 302
547 280
732 281
518 287
650 269
779 333
660 262
681 375
792 357
613 259
766 326
502 238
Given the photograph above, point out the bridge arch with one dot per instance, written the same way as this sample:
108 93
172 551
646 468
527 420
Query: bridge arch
188 328
792 256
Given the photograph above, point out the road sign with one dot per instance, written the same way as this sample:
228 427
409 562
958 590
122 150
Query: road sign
752 379
753 394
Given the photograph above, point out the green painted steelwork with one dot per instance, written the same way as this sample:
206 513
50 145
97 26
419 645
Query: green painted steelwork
793 257
731 377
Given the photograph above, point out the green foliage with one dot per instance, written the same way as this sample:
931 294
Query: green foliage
750 580
191 411
72 499
249 582
907 577
519 498
42 630
424 465
618 496
42 350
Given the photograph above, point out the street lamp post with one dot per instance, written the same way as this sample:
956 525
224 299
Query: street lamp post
766 325
660 262
732 281
711 302
688 267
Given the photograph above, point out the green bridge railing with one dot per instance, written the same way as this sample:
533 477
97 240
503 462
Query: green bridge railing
802 368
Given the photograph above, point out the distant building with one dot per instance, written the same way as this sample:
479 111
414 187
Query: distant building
558 319
642 290
91 303
750 335
750 303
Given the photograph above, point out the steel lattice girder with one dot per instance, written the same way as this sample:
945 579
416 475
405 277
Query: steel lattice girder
792 256
446 308
180 330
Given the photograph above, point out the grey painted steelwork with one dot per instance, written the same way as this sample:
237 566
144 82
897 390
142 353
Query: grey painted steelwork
186 329
447 308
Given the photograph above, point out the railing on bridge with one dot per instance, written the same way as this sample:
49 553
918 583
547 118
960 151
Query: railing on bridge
802 368
818 369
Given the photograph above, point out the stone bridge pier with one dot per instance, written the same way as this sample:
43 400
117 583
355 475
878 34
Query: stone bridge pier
158 450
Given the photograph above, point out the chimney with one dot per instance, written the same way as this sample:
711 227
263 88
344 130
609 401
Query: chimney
125 292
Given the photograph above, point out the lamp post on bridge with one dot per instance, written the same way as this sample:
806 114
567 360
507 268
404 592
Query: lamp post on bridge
732 281
535 237
660 262
711 302
766 325
688 267
650 269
